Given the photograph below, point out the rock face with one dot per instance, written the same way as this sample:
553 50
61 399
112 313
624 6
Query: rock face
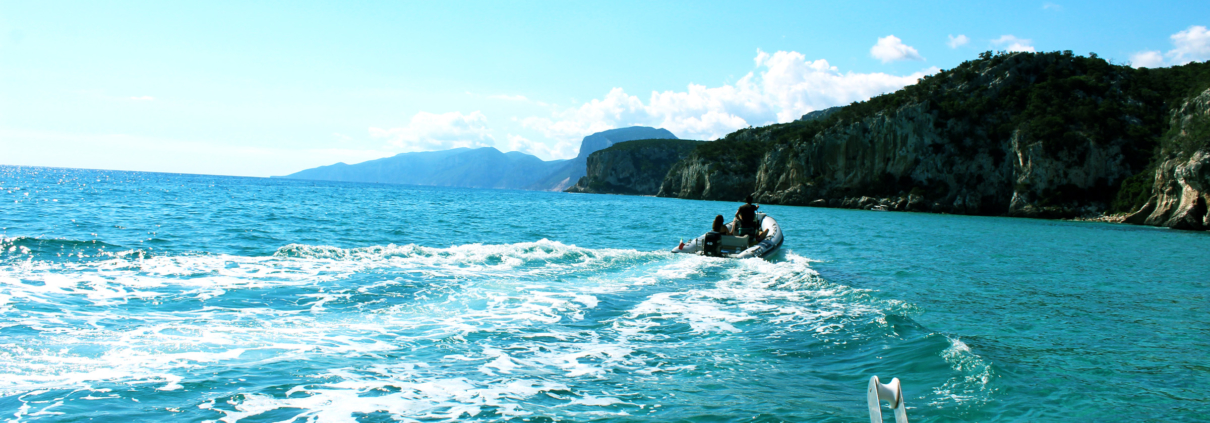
572 170
900 161
1047 135
886 159
1181 191
699 178
632 167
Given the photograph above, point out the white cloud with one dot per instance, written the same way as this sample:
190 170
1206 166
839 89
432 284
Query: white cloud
143 98
1052 6
615 110
958 41
1147 59
542 151
430 132
1014 44
891 49
785 87
1190 45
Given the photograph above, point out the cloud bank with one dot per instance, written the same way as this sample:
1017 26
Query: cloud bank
1190 45
430 132
559 151
784 87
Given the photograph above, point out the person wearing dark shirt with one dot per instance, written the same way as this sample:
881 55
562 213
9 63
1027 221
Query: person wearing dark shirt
746 216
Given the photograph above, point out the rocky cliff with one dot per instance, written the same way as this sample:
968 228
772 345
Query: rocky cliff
1181 187
572 170
632 167
1020 134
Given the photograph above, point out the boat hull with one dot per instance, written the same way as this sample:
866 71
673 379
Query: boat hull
767 246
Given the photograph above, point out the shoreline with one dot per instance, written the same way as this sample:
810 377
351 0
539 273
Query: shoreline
1104 218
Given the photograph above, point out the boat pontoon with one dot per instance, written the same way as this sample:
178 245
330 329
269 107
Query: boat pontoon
718 245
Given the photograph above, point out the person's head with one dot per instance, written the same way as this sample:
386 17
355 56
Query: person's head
748 199
718 223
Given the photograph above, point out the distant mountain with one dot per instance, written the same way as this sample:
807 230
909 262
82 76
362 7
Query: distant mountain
484 167
572 170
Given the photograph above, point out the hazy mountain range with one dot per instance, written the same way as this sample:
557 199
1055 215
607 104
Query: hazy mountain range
484 167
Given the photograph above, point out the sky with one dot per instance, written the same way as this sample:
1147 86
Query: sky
271 88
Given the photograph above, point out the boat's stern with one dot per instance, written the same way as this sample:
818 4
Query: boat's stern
692 246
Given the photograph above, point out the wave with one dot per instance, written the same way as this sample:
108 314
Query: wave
476 330
512 255
971 386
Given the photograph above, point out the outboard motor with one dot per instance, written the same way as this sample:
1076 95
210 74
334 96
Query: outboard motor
712 244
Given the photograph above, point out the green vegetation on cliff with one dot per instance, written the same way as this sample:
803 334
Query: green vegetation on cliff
1046 134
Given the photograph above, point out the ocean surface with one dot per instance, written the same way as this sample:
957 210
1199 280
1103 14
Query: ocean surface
129 296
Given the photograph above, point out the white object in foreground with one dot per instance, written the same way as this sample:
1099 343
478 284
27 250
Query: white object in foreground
889 392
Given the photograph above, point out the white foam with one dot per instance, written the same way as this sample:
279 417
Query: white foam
432 399
597 401
972 384
483 327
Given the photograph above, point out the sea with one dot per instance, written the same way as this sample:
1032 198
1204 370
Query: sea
130 297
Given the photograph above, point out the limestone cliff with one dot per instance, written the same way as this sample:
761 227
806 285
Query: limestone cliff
900 160
1181 189
1021 134
573 169
632 167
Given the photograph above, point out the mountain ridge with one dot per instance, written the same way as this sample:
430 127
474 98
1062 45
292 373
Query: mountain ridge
485 167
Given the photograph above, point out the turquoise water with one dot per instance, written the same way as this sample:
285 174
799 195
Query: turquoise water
136 296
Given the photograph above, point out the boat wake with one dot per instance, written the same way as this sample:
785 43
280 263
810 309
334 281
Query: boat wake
412 332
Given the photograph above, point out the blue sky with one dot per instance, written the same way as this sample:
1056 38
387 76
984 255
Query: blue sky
271 88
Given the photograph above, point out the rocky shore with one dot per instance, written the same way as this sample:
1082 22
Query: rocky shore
1181 188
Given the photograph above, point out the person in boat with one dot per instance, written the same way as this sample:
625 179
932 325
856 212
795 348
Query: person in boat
720 226
746 219
746 222
712 241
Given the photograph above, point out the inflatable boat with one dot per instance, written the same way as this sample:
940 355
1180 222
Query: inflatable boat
714 244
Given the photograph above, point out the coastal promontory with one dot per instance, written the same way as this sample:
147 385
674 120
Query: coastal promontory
632 167
1050 135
